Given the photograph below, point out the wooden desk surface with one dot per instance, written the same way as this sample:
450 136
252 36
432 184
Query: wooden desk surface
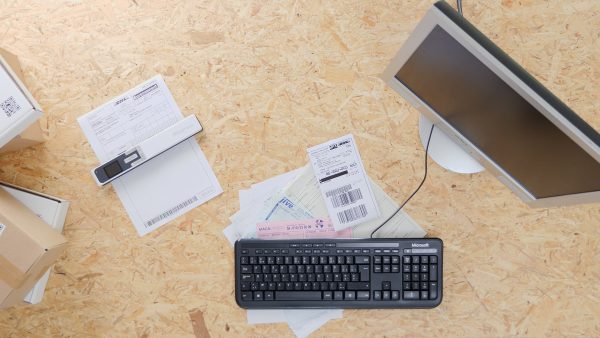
269 79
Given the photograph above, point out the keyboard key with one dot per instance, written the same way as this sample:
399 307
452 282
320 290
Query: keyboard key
327 295
424 295
433 273
387 269
395 268
377 260
376 295
244 260
362 295
386 295
258 295
424 286
268 295
377 268
433 290
424 276
395 295
298 295
364 273
244 251
433 260
406 260
349 295
395 259
409 295
406 277
415 285
406 286
246 295
424 259
361 260
415 268
358 286
247 278
245 286
386 260
415 259
405 268
338 295
424 268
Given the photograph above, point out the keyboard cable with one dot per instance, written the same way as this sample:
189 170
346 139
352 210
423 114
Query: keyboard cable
413 194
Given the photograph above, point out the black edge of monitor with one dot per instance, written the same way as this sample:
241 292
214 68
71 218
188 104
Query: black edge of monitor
519 71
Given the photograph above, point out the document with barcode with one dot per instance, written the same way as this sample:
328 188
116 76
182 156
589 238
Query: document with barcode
168 185
343 182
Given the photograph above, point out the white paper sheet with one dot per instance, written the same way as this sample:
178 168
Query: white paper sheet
343 182
167 186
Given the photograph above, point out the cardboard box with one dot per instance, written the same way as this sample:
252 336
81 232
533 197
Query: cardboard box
28 247
53 211
19 111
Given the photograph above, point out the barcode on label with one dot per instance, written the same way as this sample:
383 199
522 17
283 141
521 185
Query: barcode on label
10 106
346 198
338 191
352 214
171 211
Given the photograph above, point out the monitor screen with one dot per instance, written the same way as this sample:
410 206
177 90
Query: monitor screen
496 119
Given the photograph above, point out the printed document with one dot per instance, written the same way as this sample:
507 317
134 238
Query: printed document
343 182
168 185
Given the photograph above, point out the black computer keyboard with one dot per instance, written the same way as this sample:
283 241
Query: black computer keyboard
339 273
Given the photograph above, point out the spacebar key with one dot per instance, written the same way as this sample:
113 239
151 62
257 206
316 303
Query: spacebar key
297 295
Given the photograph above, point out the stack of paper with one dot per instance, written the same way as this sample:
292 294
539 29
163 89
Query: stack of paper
295 197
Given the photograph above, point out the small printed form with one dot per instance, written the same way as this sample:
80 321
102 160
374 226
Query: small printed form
168 185
301 229
343 182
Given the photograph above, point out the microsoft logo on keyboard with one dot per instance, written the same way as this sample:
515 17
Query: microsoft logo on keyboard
420 245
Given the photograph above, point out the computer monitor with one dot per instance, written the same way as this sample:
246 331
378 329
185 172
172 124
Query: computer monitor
487 107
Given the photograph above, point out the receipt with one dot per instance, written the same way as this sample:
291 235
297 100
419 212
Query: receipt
302 229
343 182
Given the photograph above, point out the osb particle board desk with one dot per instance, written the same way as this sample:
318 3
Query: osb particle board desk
268 80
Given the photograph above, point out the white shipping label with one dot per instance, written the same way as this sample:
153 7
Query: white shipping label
343 182
2 227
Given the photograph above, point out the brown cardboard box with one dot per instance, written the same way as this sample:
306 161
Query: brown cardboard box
29 130
28 247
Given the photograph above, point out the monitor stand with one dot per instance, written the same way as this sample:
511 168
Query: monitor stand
445 152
